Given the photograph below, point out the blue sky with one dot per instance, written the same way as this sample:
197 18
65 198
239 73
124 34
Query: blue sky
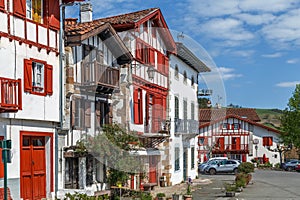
254 44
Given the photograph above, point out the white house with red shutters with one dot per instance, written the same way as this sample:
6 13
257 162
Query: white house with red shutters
29 94
237 134
146 34
181 162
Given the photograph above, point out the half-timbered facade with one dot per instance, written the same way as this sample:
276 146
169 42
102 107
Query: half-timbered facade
95 57
29 93
237 137
146 34
181 155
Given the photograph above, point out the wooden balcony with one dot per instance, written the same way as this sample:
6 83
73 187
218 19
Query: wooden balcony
232 148
10 95
99 77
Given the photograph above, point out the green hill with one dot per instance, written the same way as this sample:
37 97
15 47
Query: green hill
270 117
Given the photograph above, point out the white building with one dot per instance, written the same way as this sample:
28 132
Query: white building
237 136
29 94
181 161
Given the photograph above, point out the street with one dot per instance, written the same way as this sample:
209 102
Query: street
267 185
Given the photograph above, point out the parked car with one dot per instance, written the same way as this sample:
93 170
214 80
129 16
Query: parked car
297 168
223 166
290 165
211 161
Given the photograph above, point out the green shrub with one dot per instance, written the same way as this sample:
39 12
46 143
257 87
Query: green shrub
230 187
160 195
241 180
246 167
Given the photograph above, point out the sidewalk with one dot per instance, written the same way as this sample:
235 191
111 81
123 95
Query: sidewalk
180 188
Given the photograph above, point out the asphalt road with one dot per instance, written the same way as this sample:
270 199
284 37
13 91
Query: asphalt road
267 185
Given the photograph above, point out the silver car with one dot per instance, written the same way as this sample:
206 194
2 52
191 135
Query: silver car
223 166
203 166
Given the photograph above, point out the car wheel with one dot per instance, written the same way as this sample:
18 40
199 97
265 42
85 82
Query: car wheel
212 171
289 168
235 171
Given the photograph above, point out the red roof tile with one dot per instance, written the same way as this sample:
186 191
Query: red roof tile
212 114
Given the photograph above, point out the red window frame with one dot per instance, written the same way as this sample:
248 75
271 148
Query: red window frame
48 77
138 106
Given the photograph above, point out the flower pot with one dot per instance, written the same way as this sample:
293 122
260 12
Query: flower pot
230 194
187 197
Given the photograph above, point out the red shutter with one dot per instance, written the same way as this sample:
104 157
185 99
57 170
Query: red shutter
49 79
265 140
138 51
270 142
20 7
166 65
228 126
159 61
136 106
151 56
1 163
54 14
27 75
141 115
1 3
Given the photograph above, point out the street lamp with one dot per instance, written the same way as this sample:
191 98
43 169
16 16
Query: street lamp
151 72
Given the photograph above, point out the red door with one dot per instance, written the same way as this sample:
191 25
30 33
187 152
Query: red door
33 168
152 169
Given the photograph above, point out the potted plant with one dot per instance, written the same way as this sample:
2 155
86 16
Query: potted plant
246 168
161 196
230 189
188 195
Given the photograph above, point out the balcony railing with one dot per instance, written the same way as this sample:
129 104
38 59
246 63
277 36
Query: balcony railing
157 125
11 95
97 74
231 148
187 126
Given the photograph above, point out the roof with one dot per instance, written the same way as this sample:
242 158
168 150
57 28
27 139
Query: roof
242 119
132 20
212 114
190 58
77 32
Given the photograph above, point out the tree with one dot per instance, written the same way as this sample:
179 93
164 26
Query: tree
204 103
290 120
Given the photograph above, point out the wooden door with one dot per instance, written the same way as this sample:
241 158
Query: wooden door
152 169
33 168
221 143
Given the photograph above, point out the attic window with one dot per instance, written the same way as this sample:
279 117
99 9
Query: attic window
184 77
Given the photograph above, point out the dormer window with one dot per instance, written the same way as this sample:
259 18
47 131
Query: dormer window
176 71
192 81
184 77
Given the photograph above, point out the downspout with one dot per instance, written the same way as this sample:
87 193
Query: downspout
61 57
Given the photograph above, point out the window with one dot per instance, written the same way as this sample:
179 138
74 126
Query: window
192 157
236 126
192 111
176 116
34 10
138 106
201 141
185 115
225 126
81 113
39 11
177 158
184 77
38 77
176 71
267 141
102 113
192 81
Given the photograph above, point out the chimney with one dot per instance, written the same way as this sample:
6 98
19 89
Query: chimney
86 12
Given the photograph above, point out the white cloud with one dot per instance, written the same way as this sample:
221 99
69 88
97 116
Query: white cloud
228 73
267 5
274 55
292 61
226 29
285 29
256 19
288 84
244 53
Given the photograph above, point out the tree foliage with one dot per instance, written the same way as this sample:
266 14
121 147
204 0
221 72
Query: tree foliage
290 120
115 148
